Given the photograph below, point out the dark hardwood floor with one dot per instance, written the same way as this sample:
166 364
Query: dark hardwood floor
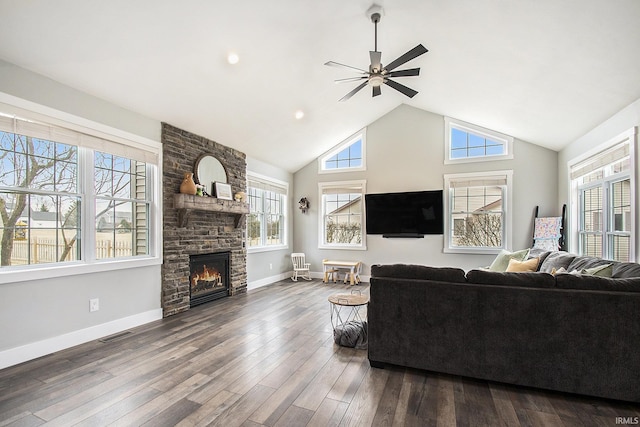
266 358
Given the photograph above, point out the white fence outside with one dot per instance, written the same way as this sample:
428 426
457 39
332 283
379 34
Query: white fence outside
44 250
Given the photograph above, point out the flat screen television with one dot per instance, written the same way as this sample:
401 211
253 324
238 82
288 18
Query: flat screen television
407 214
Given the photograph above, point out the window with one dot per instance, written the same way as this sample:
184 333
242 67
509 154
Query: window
470 143
605 204
348 155
63 200
342 214
266 221
478 212
122 206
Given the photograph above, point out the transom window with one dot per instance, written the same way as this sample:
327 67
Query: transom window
62 200
348 155
266 222
605 210
466 142
341 222
478 212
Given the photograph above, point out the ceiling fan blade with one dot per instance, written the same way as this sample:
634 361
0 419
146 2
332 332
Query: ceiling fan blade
413 53
401 88
337 64
404 73
350 79
375 57
353 92
376 91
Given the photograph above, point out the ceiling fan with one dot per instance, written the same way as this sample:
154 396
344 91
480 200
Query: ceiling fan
378 73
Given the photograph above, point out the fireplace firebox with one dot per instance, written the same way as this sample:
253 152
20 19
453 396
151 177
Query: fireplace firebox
209 277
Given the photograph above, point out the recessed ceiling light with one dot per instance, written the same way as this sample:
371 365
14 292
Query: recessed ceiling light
233 58
299 114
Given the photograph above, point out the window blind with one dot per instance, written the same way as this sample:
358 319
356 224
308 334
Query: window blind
67 136
600 160
484 181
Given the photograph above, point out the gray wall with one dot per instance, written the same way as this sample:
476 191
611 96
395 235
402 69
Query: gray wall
34 311
405 152
621 122
269 266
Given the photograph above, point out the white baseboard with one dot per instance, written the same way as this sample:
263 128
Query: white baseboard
268 280
17 355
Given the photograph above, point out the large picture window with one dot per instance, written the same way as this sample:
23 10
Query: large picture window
266 222
63 200
342 214
603 187
478 212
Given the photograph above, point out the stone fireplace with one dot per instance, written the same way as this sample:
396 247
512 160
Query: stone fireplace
195 226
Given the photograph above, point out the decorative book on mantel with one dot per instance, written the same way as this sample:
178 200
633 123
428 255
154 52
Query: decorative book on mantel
186 203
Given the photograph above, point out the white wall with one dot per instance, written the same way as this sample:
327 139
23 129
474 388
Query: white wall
622 121
270 266
405 152
40 316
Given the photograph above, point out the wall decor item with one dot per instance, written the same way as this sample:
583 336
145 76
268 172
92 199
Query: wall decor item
303 204
188 186
208 170
222 190
240 196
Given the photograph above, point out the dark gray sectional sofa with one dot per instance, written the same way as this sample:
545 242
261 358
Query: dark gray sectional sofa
570 333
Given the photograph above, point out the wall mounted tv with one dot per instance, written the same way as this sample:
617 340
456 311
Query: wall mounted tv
408 214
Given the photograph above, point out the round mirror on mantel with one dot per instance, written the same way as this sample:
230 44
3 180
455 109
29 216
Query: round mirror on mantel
209 170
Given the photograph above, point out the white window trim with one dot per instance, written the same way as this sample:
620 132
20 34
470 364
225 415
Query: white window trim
574 191
285 212
343 246
30 110
362 133
506 203
450 123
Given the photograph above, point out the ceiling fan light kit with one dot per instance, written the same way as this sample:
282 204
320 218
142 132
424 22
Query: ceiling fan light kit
378 73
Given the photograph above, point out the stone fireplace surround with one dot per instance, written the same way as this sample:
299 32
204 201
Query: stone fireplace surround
205 231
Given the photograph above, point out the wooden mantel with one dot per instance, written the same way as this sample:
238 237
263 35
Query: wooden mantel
186 203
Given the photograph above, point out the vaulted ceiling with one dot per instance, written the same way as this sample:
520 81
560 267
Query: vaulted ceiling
544 71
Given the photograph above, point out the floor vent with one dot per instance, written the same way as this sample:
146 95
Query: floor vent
115 337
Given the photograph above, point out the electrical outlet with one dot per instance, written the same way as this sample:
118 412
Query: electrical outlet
94 304
270 266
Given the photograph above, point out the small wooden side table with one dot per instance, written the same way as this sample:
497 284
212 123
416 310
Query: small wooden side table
352 303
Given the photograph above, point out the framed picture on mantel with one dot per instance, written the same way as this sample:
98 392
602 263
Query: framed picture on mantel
222 190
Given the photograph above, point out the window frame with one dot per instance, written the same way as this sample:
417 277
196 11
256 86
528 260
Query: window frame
361 185
506 206
605 182
94 133
277 184
451 123
360 135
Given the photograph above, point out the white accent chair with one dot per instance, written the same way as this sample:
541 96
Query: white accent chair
300 267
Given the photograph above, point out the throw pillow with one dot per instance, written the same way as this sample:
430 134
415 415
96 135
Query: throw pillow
605 270
521 266
502 260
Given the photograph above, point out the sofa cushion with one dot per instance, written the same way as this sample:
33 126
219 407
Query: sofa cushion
524 279
582 262
604 270
411 271
501 262
556 260
522 266
596 283
538 253
625 270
